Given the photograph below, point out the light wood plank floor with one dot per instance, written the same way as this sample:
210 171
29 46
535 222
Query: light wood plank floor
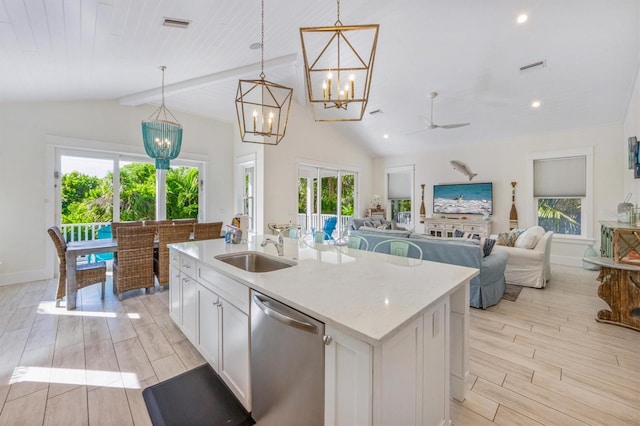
542 360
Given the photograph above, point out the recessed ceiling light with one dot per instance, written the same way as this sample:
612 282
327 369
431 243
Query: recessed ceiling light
522 18
386 136
255 46
535 104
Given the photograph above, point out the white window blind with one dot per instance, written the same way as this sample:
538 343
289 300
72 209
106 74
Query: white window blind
399 187
560 177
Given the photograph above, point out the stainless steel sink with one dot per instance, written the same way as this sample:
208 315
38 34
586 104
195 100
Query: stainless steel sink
253 261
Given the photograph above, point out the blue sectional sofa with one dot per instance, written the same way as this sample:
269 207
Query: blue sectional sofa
486 289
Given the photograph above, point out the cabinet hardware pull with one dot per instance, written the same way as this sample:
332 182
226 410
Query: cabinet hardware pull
327 339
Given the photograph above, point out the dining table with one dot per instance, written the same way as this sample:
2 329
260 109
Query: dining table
76 249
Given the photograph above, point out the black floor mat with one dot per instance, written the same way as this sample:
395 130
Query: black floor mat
196 397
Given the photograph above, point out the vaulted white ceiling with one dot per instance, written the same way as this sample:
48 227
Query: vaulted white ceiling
468 51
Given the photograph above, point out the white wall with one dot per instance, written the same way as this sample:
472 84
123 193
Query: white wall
26 212
505 161
632 128
308 140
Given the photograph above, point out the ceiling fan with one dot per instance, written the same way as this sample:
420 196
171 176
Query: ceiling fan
429 121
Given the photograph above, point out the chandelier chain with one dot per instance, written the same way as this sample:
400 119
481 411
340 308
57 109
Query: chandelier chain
163 68
262 40
338 22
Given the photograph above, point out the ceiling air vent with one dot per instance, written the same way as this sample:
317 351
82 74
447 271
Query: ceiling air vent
176 23
535 65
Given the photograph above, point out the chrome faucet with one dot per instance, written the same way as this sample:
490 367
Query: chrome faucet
279 244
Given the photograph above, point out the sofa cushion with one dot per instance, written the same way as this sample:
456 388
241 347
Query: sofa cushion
395 233
529 238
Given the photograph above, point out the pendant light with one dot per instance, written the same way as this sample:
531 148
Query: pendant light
262 106
338 64
162 134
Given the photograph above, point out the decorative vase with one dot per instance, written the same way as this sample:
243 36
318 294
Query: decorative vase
590 252
513 214
422 209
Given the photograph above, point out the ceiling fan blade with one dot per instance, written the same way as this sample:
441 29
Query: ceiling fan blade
452 126
417 131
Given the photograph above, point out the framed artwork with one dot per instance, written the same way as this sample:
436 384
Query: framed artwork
633 152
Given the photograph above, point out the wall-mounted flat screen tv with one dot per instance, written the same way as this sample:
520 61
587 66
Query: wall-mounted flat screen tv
463 198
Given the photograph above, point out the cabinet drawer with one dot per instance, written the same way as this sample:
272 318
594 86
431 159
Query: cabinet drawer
229 289
437 226
188 265
472 228
174 257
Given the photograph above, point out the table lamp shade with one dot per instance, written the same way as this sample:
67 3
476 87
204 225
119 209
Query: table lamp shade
162 141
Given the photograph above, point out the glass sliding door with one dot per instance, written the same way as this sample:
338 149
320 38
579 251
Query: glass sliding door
86 200
97 188
326 199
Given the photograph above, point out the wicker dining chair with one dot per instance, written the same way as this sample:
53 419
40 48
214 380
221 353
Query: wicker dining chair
86 274
207 231
133 267
168 234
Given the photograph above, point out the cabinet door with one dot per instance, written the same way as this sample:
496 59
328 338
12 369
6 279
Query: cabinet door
435 402
347 380
189 308
208 341
400 386
174 295
235 352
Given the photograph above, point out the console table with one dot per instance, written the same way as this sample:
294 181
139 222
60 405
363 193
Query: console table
447 227
620 288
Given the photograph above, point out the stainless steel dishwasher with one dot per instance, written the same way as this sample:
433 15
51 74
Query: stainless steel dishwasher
287 365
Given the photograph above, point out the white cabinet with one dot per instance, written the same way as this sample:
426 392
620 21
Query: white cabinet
182 294
175 304
411 372
234 351
212 310
348 380
447 227
189 307
209 319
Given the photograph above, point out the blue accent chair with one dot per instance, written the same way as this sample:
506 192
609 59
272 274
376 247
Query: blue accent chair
329 227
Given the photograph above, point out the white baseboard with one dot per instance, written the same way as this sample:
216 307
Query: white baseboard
567 260
25 276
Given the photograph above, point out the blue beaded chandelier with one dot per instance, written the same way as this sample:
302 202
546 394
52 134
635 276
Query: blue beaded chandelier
162 134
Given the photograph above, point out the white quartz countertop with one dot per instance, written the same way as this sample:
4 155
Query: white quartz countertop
370 295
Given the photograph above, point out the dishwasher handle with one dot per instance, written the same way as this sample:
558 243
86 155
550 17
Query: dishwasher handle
279 316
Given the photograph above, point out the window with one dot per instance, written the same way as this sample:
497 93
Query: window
100 187
562 193
248 191
400 193
246 194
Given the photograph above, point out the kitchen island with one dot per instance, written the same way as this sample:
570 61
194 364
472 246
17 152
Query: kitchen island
398 326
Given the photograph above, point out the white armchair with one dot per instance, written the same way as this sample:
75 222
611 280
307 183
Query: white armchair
529 267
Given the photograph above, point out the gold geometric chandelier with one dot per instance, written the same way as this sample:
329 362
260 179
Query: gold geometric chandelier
338 64
262 106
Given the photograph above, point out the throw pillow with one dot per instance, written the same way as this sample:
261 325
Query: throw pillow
529 238
502 239
458 233
357 223
487 245
385 226
368 224
376 223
